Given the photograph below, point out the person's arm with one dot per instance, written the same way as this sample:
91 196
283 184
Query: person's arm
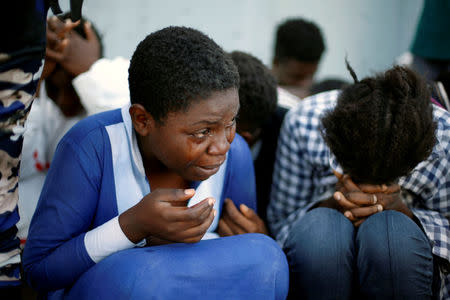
241 188
437 229
239 210
55 254
293 189
427 190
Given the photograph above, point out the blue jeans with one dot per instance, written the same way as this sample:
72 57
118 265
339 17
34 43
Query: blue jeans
388 257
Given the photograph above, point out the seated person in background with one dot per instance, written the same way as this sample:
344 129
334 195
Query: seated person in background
361 239
259 121
58 107
156 173
299 46
327 84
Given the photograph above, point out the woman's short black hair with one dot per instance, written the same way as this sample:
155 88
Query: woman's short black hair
382 126
299 39
175 65
257 91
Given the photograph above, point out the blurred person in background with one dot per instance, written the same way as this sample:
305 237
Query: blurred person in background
327 84
259 120
59 106
299 46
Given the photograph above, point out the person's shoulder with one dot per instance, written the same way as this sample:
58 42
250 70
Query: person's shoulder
286 99
239 149
441 115
442 118
93 125
317 104
238 144
308 112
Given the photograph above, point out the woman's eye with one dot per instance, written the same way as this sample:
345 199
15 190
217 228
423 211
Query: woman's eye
202 134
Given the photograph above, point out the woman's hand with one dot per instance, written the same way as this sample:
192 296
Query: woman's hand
358 202
163 215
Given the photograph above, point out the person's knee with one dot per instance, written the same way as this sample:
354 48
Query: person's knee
387 232
390 245
264 261
209 269
320 252
267 256
320 237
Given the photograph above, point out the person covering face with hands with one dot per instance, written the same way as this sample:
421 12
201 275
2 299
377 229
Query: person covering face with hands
384 211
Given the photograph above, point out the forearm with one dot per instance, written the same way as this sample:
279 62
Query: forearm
48 269
106 240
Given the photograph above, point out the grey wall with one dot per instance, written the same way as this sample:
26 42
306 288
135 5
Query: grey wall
372 32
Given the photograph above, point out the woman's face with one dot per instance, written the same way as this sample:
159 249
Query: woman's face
193 143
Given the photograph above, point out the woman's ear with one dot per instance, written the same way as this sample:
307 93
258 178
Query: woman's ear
141 119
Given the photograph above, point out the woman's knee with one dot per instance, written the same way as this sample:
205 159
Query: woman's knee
390 245
321 236
321 253
225 267
266 260
390 232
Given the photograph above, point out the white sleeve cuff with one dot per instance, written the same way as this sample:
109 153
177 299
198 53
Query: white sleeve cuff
105 240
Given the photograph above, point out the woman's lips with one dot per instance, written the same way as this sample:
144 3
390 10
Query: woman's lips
210 169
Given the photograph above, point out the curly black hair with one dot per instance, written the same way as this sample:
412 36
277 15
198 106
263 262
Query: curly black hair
300 40
257 91
382 126
176 65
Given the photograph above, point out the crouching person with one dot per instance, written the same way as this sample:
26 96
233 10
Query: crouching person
155 173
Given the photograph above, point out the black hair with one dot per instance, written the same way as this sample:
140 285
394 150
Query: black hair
300 40
328 84
80 29
382 126
175 65
257 91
